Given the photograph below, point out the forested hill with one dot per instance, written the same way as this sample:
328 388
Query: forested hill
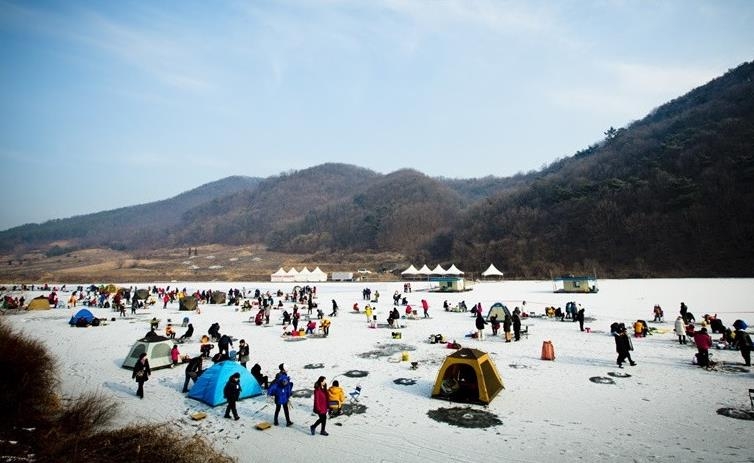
123 228
672 195
669 195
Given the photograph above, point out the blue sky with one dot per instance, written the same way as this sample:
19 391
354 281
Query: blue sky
110 104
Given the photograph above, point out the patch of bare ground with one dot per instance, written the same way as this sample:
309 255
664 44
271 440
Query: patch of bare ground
201 263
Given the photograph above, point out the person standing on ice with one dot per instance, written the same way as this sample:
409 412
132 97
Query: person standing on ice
580 318
680 330
516 318
425 307
480 324
507 322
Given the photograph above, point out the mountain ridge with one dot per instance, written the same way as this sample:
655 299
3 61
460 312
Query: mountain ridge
667 195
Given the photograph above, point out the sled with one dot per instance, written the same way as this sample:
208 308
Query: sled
263 425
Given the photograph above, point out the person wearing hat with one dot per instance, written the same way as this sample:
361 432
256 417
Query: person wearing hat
281 388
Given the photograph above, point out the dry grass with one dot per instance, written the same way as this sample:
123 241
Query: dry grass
212 263
38 426
27 382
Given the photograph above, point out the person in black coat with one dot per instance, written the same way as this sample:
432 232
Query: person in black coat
193 371
507 322
516 324
479 323
232 392
263 380
224 344
623 347
189 332
334 312
743 342
141 373
214 331
580 318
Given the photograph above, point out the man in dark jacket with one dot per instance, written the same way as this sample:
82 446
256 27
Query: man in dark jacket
193 371
743 342
479 323
623 347
256 372
232 392
516 318
580 318
224 344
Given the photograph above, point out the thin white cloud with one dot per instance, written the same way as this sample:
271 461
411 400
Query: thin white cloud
155 46
626 91
166 54
662 81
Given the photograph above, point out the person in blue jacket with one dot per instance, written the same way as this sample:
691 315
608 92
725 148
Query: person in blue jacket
281 388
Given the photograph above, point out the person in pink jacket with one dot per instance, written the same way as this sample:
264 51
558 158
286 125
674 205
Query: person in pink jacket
703 343
175 356
320 406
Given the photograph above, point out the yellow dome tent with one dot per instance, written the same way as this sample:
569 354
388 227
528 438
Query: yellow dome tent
469 376
39 303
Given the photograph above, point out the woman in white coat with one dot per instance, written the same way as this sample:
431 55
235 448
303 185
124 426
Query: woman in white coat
680 330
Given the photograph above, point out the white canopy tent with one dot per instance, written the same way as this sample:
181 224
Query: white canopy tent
292 274
303 275
438 270
424 271
318 275
453 270
279 276
411 271
492 272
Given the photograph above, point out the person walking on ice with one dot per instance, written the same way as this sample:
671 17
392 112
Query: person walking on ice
281 388
232 393
141 373
320 406
623 347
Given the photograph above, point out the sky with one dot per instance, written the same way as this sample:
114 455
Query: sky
111 104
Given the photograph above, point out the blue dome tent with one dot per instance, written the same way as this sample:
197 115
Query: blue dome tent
209 386
82 315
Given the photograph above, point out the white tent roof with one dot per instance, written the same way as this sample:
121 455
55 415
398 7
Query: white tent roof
410 271
318 271
492 271
453 270
304 271
424 270
438 270
292 271
280 272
